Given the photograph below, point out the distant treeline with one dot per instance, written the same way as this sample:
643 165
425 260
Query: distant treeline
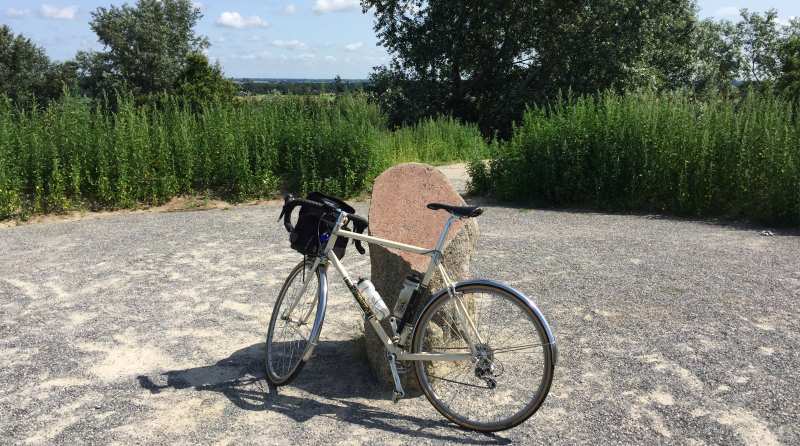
299 86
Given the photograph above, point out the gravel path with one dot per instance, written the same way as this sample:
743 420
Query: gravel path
148 328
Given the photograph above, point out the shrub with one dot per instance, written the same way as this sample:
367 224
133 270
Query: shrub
479 179
664 153
432 140
76 154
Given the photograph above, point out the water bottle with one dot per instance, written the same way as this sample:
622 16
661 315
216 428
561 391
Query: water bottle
374 300
410 285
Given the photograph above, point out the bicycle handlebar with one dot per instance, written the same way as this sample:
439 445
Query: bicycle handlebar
359 223
289 203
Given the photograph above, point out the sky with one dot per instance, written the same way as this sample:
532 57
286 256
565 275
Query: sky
271 38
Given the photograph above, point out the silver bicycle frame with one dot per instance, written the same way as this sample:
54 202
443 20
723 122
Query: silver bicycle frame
436 256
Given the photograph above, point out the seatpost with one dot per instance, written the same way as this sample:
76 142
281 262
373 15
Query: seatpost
437 255
443 235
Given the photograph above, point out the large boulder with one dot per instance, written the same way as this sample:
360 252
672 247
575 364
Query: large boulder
398 211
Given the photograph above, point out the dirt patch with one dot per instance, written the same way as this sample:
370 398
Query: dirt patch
176 204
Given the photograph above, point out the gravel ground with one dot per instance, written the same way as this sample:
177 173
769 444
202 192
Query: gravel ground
148 328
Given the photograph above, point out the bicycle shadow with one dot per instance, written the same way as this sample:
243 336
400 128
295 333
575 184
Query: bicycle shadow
333 373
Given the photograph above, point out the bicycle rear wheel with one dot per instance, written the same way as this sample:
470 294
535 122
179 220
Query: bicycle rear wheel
511 363
295 327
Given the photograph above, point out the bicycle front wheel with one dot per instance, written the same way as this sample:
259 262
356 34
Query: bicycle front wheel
296 322
511 359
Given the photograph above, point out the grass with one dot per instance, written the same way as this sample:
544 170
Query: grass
663 153
433 141
76 155
636 152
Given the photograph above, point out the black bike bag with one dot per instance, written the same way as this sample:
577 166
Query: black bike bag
315 222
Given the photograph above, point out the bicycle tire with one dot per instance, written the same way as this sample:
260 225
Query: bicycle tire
425 369
299 352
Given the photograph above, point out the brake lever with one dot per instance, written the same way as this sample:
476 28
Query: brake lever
360 248
358 227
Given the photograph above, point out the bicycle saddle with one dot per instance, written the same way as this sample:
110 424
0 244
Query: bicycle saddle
459 211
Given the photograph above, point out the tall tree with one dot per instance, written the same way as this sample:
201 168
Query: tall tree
338 85
719 56
26 73
484 60
146 45
761 42
201 81
789 79
589 45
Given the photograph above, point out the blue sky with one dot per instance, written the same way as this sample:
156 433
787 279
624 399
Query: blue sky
270 38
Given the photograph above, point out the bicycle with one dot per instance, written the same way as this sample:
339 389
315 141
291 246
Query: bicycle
491 343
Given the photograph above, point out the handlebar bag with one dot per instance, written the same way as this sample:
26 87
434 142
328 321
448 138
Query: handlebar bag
314 226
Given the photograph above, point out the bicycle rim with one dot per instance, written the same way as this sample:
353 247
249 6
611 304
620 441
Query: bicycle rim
511 369
290 336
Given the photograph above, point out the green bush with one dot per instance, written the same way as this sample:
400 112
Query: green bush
75 154
663 153
479 178
434 141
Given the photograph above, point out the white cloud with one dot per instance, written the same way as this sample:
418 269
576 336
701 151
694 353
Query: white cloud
15 13
330 59
235 20
355 46
290 44
289 9
250 56
54 12
727 12
323 6
305 57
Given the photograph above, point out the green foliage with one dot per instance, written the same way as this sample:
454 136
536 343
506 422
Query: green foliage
665 153
147 44
719 57
588 46
432 140
761 39
200 81
482 61
480 181
789 81
756 51
486 61
252 87
338 85
26 74
76 154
